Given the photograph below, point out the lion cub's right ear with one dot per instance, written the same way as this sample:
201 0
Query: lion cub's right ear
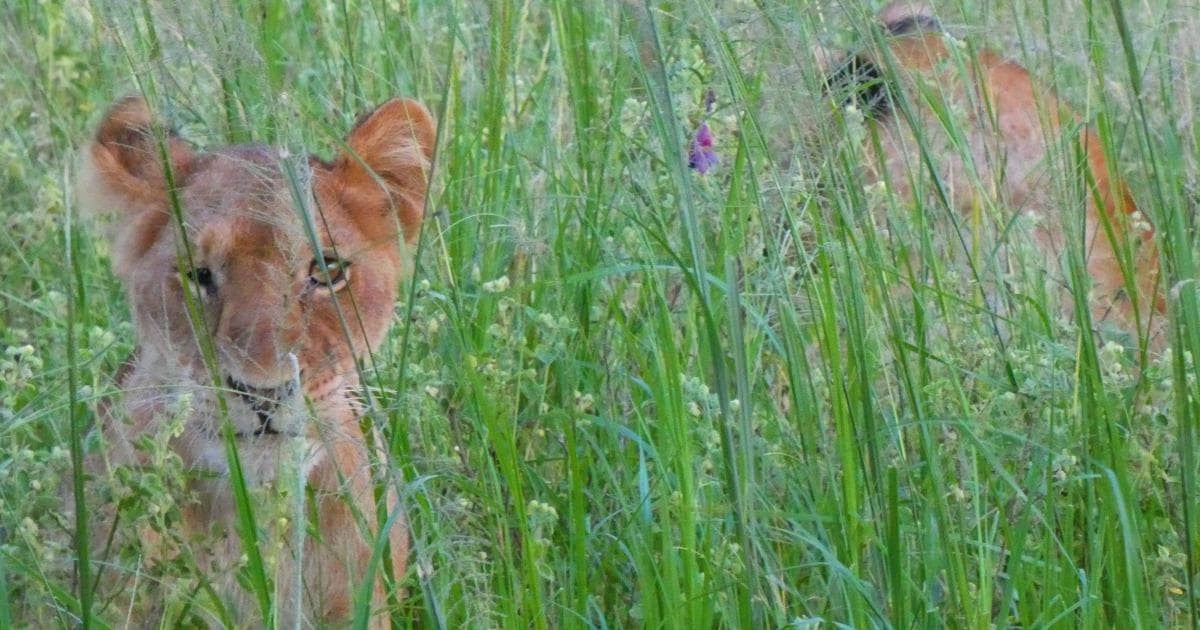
389 151
122 183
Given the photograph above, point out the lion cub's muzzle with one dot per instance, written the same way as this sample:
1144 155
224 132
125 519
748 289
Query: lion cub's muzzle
276 407
265 403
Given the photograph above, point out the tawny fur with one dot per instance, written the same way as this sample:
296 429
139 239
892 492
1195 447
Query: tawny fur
266 314
1016 133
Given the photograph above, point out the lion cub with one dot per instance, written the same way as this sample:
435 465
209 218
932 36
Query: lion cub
283 320
992 136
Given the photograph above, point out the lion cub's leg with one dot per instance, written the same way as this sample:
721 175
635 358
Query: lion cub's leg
336 564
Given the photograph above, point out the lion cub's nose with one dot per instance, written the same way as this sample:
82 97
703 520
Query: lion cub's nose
269 371
257 344
267 402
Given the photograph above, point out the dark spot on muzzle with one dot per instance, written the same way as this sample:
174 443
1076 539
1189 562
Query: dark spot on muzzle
263 401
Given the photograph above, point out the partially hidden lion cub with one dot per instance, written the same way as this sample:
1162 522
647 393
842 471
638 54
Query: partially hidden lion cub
285 320
989 131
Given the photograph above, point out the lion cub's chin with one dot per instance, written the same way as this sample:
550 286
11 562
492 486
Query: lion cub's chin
270 442
263 459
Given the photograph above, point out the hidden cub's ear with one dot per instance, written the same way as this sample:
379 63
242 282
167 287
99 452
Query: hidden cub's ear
121 182
387 162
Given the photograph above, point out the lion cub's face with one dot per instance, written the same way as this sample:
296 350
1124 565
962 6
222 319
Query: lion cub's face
284 272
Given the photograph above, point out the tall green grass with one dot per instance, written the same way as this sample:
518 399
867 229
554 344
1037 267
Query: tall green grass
621 393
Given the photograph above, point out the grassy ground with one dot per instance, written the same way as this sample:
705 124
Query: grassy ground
624 393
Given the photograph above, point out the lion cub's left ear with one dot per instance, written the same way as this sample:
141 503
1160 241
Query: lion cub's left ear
390 151
122 182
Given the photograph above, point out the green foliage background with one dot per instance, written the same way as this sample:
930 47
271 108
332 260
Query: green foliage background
624 394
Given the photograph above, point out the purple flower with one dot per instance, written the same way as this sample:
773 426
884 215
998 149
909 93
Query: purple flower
700 154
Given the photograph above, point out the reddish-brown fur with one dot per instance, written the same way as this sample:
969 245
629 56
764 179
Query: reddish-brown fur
272 323
1015 131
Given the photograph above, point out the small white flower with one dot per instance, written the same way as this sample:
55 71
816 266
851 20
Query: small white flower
499 285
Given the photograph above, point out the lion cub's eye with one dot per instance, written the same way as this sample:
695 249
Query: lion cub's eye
202 278
332 277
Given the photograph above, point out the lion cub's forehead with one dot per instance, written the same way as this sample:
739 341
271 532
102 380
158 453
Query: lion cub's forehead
239 202
247 238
